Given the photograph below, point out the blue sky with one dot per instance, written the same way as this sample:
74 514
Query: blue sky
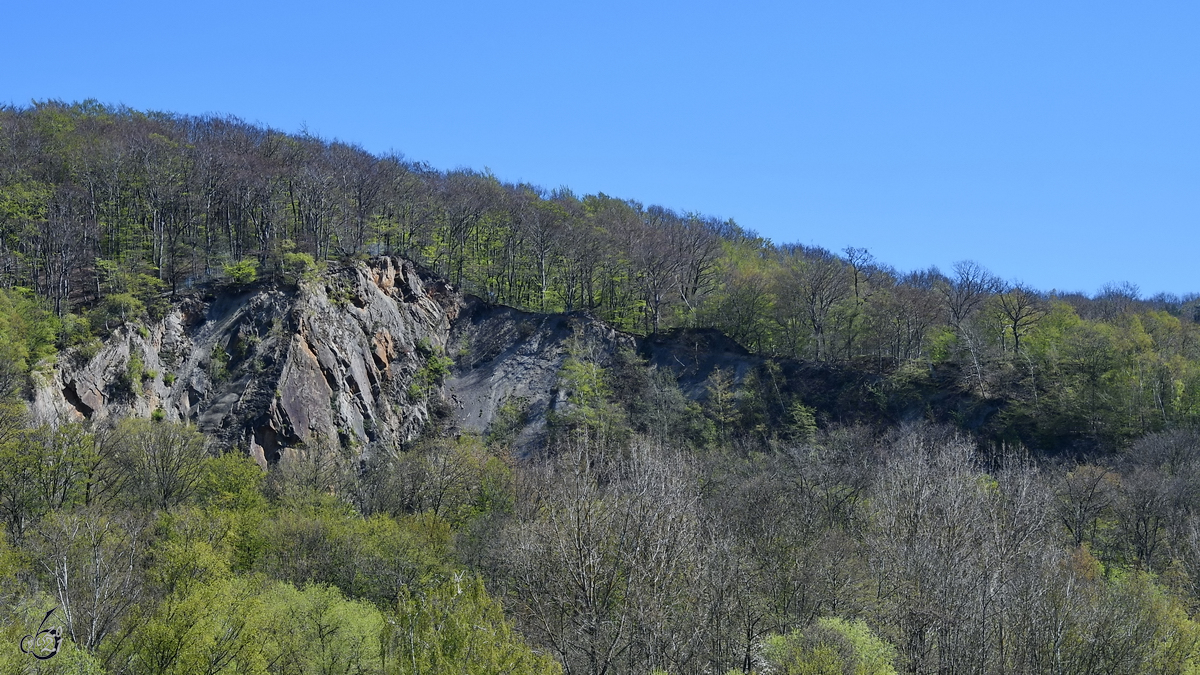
1055 143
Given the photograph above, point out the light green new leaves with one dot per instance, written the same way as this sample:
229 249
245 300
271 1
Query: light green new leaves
455 627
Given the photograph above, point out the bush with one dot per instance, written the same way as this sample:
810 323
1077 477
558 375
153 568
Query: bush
456 627
511 416
432 374
87 351
131 380
232 481
28 332
830 646
243 272
75 330
119 309
218 364
28 326
297 267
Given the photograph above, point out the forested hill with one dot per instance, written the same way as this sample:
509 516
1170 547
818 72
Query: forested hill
270 433
104 209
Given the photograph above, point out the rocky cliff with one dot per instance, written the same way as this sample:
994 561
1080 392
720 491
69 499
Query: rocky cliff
359 358
335 360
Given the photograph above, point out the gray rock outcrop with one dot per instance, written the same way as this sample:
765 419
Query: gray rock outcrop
266 368
355 358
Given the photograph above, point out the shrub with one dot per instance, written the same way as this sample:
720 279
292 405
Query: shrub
218 364
135 371
243 272
298 267
432 374
830 645
117 310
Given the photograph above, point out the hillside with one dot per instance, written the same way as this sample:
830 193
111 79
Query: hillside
273 405
104 211
359 357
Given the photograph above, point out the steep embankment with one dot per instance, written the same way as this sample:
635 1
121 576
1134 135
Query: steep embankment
347 360
506 356
356 358
267 368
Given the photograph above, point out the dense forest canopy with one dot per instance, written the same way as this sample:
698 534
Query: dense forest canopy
107 207
1052 526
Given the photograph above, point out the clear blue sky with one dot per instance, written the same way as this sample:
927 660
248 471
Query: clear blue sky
1056 143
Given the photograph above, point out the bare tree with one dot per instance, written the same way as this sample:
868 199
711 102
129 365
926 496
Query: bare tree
813 282
1022 308
161 461
602 567
1084 495
97 565
963 295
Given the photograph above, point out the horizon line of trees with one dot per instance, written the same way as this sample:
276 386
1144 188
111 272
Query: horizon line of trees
111 208
92 196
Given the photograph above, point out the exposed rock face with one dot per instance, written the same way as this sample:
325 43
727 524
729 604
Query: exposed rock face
329 362
505 355
339 361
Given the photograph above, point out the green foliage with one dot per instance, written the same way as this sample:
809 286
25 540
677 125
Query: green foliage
231 481
366 558
720 403
132 290
11 563
431 374
591 410
23 204
298 267
317 630
161 463
653 404
802 422
215 623
130 381
218 363
1065 371
455 627
873 655
77 335
509 419
44 469
981 564
242 272
75 330
424 348
219 623
458 480
942 344
28 333
117 310
830 646
23 619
